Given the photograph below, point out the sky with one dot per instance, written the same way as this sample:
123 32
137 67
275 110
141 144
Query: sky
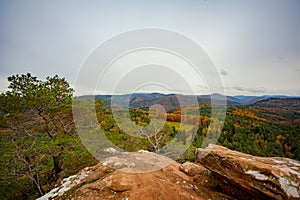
253 44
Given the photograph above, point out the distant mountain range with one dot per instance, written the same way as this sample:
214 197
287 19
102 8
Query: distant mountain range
171 101
288 102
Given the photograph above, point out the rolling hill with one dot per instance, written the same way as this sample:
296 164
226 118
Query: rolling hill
172 101
279 102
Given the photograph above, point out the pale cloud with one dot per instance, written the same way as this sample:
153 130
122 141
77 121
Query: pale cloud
55 37
251 90
3 83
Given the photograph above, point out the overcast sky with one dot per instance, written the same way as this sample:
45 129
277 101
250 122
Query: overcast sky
255 44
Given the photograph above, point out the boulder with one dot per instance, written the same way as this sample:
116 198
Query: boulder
251 177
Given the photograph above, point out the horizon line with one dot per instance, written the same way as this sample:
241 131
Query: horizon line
208 94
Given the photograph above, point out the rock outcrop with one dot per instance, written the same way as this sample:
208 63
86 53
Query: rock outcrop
140 175
251 177
220 174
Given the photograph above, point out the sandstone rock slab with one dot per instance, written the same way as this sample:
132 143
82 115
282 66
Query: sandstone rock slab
252 176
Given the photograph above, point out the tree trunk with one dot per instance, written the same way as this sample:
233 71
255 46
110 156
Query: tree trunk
57 165
36 183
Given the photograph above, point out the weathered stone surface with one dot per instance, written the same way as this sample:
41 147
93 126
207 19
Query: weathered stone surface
118 163
252 177
71 182
133 183
153 185
141 161
192 169
223 174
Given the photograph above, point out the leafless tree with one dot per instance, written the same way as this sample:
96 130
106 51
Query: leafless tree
154 138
